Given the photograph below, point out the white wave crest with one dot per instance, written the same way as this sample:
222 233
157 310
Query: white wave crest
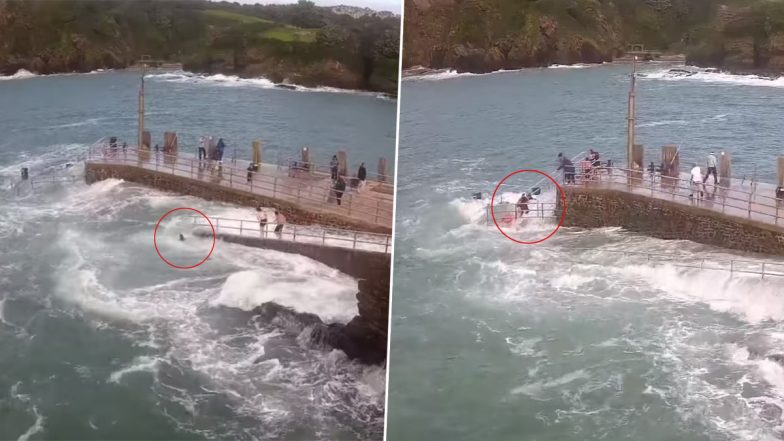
711 76
21 74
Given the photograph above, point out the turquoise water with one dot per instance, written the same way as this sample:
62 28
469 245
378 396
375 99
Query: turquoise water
102 340
493 340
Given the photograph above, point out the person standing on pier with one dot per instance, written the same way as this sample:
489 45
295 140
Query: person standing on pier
568 168
361 175
712 168
333 167
219 149
522 205
696 181
340 187
280 220
202 148
261 216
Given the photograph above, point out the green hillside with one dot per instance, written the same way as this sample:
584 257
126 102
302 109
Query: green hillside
300 43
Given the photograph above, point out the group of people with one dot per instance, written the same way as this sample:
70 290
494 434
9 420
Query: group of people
219 148
261 216
696 179
590 166
339 181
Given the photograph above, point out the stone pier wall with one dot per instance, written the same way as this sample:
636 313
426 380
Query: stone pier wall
595 208
365 336
295 214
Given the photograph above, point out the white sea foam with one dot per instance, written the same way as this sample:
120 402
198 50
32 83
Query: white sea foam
21 74
746 296
259 82
332 300
714 77
536 389
138 364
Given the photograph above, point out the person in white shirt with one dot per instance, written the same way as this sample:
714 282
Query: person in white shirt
696 180
712 168
261 216
202 148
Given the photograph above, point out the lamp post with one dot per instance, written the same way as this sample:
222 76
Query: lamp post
631 115
141 110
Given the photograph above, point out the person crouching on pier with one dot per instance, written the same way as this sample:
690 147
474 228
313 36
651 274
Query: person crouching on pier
568 168
280 220
696 181
261 216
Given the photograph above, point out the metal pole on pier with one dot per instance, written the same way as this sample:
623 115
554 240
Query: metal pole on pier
632 115
141 109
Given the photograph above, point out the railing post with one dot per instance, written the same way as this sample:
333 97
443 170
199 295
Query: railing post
355 241
750 194
275 187
323 237
217 225
241 227
378 202
191 168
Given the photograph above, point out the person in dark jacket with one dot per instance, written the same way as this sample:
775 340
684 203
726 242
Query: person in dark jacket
568 167
220 148
333 167
340 187
362 176
522 205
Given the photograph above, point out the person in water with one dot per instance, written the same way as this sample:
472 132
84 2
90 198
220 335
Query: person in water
182 237
568 168
261 216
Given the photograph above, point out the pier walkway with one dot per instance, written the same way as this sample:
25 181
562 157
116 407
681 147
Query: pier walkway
743 199
310 192
329 237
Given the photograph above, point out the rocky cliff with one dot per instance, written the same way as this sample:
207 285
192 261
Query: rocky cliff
487 35
301 43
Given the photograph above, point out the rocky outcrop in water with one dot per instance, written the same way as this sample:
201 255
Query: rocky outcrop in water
354 338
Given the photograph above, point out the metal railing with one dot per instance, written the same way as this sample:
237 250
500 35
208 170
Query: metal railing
267 181
508 213
291 162
357 240
740 266
730 197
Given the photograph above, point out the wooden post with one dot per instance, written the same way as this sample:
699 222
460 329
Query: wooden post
725 169
212 148
256 151
169 147
382 169
306 159
144 149
342 163
632 115
781 171
671 165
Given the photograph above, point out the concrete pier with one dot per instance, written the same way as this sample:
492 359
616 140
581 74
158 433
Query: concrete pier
303 197
735 214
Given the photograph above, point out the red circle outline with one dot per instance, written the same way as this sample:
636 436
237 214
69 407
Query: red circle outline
155 242
563 213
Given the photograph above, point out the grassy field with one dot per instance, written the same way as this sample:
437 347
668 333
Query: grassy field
280 32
